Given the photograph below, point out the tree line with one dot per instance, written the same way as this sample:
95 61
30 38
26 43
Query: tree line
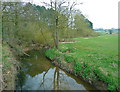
25 23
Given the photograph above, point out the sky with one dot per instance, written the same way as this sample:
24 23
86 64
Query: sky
102 13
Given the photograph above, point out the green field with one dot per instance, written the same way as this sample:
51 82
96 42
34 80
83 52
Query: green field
94 58
107 32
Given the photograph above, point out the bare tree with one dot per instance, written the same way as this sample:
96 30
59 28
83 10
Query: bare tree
61 7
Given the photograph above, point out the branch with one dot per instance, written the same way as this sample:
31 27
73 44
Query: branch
73 5
47 4
26 54
61 4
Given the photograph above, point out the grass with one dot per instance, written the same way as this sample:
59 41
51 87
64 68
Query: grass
93 58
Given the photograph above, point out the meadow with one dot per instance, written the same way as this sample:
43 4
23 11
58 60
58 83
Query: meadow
93 58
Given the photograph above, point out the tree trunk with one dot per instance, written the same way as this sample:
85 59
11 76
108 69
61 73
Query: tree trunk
56 34
56 24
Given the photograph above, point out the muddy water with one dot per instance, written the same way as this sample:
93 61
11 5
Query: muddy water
37 73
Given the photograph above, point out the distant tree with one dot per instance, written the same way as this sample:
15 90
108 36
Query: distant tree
110 31
82 25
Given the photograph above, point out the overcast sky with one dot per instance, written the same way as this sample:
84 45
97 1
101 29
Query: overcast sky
103 13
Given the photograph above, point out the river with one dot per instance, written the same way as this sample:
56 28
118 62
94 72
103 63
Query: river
38 73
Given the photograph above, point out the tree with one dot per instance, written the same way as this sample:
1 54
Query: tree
110 31
61 7
82 25
25 23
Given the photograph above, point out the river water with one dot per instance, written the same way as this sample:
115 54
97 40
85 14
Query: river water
38 73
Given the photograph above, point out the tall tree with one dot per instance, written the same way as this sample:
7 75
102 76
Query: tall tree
82 25
60 7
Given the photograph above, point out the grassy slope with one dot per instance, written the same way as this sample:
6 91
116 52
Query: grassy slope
9 68
92 58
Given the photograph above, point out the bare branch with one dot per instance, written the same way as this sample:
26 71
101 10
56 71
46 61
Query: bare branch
73 5
61 4
47 4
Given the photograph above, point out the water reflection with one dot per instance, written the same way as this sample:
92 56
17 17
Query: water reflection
38 73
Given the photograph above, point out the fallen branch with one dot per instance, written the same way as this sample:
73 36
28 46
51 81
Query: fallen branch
26 54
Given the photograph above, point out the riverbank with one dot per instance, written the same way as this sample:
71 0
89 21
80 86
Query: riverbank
95 59
10 62
9 68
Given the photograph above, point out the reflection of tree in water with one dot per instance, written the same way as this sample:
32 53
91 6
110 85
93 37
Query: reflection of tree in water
55 79
38 64
21 79
43 80
58 78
